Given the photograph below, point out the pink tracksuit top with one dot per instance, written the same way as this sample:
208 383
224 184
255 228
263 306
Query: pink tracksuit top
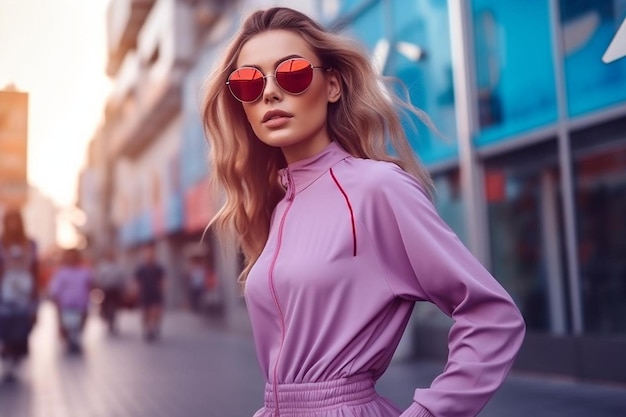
352 246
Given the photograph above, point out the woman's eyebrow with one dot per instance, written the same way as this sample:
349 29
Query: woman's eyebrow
278 61
286 58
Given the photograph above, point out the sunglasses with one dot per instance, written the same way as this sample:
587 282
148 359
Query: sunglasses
293 75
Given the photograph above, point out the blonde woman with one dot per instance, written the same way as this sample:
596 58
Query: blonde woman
340 238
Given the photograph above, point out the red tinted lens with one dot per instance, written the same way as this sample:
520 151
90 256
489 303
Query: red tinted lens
294 75
246 83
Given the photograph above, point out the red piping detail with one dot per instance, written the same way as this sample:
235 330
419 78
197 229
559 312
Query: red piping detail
332 174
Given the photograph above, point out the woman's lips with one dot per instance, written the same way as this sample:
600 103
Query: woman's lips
276 118
277 122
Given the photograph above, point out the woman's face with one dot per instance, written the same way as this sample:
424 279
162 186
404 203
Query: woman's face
298 124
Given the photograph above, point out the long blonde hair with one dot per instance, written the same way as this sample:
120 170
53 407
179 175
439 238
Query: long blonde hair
365 122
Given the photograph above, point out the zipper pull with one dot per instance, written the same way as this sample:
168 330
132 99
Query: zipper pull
288 184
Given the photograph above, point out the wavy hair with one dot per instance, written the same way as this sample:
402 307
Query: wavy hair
366 122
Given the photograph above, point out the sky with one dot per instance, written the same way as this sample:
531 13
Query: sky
55 50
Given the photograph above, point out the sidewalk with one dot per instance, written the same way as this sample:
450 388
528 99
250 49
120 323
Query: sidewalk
197 370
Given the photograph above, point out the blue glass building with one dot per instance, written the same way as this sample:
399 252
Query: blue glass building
530 166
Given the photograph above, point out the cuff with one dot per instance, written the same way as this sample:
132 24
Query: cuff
416 410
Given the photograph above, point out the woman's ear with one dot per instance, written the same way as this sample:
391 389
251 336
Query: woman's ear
334 87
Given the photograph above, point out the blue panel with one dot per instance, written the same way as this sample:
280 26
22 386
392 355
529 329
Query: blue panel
424 24
409 27
368 27
194 148
514 67
174 213
130 233
588 27
171 203
145 231
194 151
352 6
125 235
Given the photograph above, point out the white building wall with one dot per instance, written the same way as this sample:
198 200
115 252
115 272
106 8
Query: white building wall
40 220
122 210
152 164
170 30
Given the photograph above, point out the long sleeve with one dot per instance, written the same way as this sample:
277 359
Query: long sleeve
425 261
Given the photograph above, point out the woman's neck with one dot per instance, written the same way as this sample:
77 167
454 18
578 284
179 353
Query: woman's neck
305 149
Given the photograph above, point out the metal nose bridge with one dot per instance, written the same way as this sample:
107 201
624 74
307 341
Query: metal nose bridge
265 77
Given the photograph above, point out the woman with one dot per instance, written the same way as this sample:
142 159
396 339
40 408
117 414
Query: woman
340 238
69 289
18 291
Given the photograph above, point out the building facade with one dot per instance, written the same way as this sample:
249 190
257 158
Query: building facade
135 169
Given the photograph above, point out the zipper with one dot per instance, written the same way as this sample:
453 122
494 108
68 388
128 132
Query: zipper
290 194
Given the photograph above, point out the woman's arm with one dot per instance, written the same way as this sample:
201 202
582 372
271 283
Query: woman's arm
425 260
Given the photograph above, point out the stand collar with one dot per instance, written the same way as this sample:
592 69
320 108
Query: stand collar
300 174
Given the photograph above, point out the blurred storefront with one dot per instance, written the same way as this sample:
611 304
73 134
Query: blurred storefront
530 168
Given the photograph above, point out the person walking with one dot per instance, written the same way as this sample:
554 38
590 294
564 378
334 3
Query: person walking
340 237
150 280
69 289
111 280
18 291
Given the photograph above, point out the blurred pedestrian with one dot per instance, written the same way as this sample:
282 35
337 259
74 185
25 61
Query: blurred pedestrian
111 280
196 276
340 249
69 288
150 280
201 281
18 291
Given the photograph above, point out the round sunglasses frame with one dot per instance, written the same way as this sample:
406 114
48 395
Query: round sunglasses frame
264 77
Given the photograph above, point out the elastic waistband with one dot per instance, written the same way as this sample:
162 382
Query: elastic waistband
303 397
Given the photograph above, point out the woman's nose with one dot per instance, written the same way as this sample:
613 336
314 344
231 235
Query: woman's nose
272 90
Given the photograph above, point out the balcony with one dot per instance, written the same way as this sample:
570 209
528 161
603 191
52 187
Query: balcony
145 116
125 83
148 92
125 18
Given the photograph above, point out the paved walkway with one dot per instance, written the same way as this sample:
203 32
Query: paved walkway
197 371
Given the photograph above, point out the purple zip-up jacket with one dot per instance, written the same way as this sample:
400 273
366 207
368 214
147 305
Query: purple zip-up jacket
352 246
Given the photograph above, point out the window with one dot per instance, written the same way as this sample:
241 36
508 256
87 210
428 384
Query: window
514 67
600 187
525 225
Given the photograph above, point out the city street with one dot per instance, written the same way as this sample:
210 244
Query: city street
198 369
